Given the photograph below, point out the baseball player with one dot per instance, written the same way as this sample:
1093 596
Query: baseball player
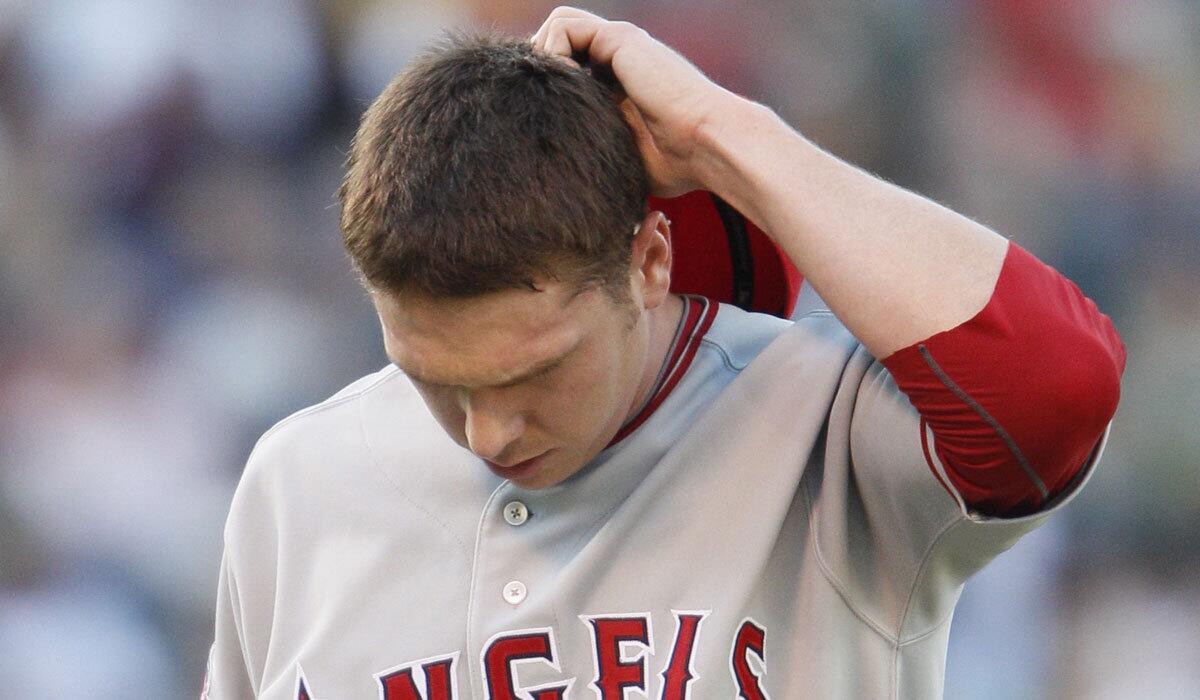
572 482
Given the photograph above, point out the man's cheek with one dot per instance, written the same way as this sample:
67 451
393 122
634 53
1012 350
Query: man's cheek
573 403
579 409
592 386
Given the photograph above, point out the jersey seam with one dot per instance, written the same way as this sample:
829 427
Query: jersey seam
330 402
392 482
471 585
833 580
725 358
814 312
924 635
826 569
912 594
235 598
926 558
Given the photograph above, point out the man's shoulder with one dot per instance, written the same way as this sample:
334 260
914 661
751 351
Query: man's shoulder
739 336
316 424
323 442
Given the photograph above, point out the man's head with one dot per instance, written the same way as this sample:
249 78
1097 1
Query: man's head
484 166
495 206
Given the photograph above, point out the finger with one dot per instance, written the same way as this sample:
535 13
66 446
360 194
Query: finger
539 36
598 39
567 36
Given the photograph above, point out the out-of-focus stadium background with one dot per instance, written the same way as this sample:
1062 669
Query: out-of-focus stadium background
171 283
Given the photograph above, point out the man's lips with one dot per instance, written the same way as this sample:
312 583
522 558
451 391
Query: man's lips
517 470
516 465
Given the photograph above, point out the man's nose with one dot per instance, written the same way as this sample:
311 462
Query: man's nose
491 427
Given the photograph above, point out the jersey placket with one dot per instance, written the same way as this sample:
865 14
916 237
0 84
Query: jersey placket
527 538
524 539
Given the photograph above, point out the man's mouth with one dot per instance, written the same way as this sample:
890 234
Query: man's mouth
518 470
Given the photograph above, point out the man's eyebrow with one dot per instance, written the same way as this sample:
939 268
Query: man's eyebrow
540 368
537 369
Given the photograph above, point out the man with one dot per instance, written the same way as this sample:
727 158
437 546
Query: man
573 483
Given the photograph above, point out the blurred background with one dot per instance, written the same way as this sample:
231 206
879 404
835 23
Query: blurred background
172 283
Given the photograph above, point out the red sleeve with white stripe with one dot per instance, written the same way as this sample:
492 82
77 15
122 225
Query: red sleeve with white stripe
1018 396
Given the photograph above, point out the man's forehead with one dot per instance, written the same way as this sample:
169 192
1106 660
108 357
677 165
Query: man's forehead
484 340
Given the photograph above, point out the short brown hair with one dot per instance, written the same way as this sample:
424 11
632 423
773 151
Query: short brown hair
485 165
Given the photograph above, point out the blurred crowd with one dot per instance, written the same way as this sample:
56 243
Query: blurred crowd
172 283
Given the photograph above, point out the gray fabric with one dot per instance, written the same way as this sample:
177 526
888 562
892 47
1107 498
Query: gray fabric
782 482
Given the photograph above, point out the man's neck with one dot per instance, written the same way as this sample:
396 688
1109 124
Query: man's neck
664 321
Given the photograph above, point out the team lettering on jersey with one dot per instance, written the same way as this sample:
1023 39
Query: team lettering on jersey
621 649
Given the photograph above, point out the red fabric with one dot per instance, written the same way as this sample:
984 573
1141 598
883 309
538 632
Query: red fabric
776 280
699 246
928 460
702 266
1046 365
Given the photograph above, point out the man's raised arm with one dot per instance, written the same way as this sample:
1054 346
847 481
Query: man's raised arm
1014 370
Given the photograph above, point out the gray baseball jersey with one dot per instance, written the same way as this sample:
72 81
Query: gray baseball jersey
771 529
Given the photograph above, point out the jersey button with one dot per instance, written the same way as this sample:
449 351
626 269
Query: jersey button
516 513
515 592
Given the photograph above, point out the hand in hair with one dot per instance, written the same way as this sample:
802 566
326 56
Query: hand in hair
668 101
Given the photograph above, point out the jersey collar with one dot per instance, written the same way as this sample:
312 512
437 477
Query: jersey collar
698 315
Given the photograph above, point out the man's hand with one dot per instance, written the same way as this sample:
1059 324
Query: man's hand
895 267
668 100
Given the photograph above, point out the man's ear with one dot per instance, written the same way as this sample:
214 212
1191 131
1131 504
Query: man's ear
650 264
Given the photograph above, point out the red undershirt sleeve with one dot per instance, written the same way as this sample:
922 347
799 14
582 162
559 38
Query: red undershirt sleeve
1017 397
